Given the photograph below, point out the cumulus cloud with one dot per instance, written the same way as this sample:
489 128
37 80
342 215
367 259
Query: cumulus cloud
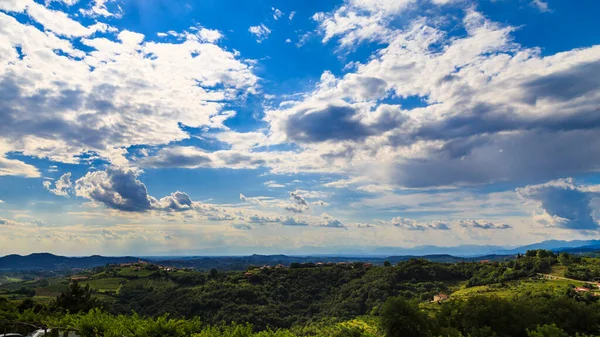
491 109
119 188
360 20
260 32
61 187
64 112
566 204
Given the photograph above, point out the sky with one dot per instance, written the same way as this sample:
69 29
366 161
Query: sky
169 127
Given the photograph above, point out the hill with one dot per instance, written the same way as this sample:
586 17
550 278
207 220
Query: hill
48 261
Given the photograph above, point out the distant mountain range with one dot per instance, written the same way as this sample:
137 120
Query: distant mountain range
345 251
234 257
53 262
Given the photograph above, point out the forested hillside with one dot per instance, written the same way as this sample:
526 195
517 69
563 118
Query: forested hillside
527 296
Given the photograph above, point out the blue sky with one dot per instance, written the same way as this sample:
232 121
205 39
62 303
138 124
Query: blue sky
157 127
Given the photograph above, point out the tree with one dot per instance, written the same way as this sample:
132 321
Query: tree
547 331
400 318
564 259
387 263
76 299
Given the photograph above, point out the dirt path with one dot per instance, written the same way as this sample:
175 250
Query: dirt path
562 278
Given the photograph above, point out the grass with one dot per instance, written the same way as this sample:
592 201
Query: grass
53 290
528 286
558 270
105 284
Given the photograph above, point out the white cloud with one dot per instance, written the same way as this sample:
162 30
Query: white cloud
541 5
13 167
261 32
273 184
360 20
153 88
98 8
491 111
210 35
291 16
276 13
62 186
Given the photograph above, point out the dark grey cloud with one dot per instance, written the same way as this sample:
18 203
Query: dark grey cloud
565 85
297 204
119 188
293 222
337 123
480 224
297 199
44 113
237 158
503 157
176 157
569 205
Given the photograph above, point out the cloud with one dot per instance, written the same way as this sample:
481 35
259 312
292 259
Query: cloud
360 20
261 32
98 9
489 109
482 224
242 227
119 188
186 157
294 222
297 199
193 157
64 112
567 205
291 16
334 123
541 5
209 35
414 225
276 13
333 224
13 167
273 184
297 203
116 188
62 186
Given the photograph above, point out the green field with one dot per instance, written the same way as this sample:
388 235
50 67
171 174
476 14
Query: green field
105 284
